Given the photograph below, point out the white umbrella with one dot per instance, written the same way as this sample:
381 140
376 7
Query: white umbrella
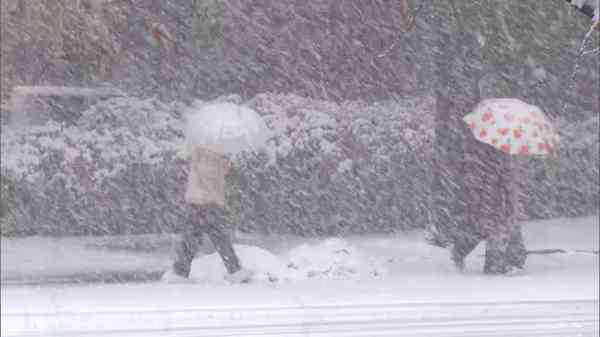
226 128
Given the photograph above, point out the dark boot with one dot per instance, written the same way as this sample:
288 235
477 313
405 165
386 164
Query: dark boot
516 254
495 256
462 247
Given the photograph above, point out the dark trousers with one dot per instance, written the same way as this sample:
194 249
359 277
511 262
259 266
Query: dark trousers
209 219
488 209
503 249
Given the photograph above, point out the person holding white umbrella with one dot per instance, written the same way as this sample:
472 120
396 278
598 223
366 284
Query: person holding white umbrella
214 134
508 128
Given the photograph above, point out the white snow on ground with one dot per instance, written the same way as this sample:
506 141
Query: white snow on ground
566 233
40 257
286 259
381 257
557 297
333 258
366 311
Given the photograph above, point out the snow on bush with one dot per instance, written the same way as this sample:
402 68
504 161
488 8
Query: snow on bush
306 124
567 183
107 139
333 168
62 178
330 169
340 168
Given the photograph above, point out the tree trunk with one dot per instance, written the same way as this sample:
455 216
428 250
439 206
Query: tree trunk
473 184
455 91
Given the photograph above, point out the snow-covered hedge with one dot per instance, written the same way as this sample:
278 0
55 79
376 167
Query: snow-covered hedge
567 184
99 176
330 168
339 167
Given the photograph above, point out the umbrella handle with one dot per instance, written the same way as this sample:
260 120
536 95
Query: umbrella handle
247 139
514 189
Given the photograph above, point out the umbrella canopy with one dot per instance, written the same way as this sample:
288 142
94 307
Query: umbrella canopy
225 128
512 126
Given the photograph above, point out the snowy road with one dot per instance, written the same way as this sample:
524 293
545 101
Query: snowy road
529 318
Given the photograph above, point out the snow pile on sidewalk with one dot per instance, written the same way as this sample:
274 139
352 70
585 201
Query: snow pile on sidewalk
333 258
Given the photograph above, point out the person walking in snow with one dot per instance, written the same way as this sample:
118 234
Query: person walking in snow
491 210
205 193
504 130
501 131
488 189
214 133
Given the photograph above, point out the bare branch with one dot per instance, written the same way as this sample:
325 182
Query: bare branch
585 9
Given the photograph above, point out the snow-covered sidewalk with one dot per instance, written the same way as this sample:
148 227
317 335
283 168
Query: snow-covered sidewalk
358 286
44 260
40 260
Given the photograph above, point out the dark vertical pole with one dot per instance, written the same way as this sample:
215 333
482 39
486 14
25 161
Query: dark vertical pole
449 204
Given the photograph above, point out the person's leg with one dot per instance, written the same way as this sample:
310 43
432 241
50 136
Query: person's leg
190 239
185 255
495 250
215 228
463 246
516 254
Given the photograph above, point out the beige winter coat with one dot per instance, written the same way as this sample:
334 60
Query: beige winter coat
206 179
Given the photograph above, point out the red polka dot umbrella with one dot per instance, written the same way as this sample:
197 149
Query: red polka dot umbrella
513 126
